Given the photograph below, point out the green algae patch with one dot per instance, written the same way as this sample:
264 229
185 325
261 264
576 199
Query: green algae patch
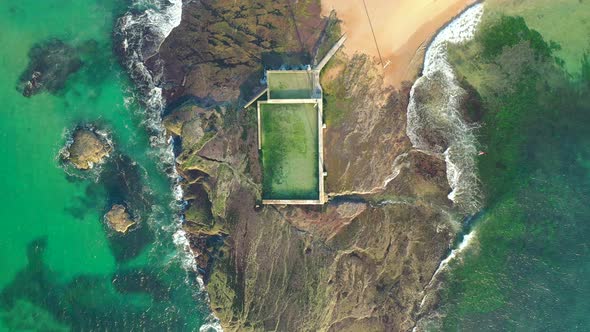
290 151
523 271
290 84
564 23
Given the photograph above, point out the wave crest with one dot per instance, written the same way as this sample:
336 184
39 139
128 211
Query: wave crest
434 119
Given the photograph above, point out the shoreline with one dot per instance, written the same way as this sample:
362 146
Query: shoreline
460 154
404 35
262 217
135 58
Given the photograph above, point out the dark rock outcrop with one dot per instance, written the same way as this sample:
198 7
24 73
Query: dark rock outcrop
50 64
218 51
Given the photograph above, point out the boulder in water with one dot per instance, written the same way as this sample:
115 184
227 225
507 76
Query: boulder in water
50 64
119 219
86 149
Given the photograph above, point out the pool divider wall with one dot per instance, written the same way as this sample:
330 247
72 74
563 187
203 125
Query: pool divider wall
315 98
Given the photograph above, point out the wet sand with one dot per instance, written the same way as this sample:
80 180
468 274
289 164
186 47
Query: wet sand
402 28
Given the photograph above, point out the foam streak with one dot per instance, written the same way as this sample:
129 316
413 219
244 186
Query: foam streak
140 34
435 122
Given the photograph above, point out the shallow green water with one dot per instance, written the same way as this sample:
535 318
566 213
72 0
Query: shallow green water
529 268
58 260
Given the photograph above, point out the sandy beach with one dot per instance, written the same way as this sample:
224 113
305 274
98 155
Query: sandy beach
402 29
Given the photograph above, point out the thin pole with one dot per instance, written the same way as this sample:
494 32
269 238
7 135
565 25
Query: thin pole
373 32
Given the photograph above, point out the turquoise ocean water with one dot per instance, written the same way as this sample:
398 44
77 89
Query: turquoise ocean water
61 268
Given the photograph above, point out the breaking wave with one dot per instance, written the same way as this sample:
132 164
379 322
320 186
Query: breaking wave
435 122
138 36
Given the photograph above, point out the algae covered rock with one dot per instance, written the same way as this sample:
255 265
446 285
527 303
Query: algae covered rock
50 64
86 149
119 219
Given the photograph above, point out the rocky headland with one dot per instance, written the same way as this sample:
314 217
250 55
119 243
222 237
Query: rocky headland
360 262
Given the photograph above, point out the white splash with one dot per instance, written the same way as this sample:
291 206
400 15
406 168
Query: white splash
159 17
436 125
141 34
181 241
459 30
465 243
212 325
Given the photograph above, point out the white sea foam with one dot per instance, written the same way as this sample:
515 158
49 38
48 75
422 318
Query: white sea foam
432 321
141 35
212 325
136 29
436 125
467 241
159 19
181 241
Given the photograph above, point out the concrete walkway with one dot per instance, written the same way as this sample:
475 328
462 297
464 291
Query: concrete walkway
331 53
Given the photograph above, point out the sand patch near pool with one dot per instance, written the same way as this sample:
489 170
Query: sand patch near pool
403 29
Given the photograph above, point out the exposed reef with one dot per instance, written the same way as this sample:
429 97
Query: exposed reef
86 148
50 64
119 218
118 184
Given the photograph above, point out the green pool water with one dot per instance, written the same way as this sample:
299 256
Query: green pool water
67 281
289 140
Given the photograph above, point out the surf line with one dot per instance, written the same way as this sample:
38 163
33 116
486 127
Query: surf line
442 117
158 21
445 121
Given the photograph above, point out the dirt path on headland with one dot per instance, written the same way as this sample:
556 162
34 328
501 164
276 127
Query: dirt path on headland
402 29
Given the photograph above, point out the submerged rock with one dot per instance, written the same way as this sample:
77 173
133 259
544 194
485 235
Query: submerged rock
119 219
86 149
123 181
50 64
